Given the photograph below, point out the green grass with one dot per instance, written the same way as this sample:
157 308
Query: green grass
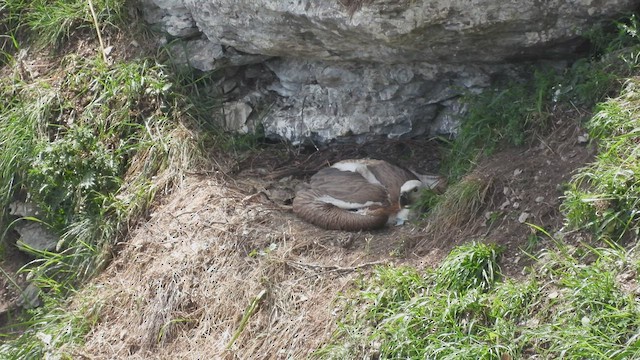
571 306
52 22
86 153
51 330
604 196
73 159
91 144
497 117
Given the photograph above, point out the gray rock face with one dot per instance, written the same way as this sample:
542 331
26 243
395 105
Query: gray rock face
321 101
33 234
395 67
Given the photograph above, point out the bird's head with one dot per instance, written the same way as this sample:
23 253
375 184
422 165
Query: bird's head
410 192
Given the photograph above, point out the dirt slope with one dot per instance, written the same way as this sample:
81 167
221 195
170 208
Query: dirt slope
226 245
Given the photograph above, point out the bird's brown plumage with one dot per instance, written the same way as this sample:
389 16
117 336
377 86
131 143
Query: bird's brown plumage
352 195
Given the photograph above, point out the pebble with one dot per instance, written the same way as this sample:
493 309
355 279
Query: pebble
523 217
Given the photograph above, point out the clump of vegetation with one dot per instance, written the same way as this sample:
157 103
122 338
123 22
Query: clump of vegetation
496 117
90 144
461 202
565 308
604 196
51 23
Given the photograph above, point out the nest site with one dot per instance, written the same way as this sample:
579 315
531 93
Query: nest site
222 268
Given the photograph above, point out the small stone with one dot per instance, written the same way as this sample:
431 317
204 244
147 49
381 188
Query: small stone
505 204
30 297
523 217
35 235
553 295
229 86
516 205
540 199
627 276
583 139
585 321
517 172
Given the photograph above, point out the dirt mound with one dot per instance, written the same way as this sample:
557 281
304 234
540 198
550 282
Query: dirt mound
223 269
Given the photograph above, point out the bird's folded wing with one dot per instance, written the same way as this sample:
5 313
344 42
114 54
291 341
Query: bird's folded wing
347 189
307 206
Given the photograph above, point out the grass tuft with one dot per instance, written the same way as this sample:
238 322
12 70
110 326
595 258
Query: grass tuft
461 202
53 22
470 266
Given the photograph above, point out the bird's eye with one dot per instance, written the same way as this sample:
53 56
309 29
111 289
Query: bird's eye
415 190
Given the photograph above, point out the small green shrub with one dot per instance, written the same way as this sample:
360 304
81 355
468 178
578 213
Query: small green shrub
68 174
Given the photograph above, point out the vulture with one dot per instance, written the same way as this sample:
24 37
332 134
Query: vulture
361 194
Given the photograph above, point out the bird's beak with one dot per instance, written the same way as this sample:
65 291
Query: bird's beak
404 200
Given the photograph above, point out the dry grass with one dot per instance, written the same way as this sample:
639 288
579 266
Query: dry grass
181 285
461 203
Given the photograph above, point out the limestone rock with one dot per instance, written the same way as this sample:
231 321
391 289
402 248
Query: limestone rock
30 297
321 101
236 115
171 16
401 31
394 68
